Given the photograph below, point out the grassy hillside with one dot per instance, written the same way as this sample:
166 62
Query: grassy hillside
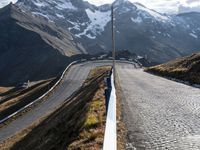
77 124
186 69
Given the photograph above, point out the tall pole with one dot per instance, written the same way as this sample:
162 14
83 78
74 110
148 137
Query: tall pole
113 37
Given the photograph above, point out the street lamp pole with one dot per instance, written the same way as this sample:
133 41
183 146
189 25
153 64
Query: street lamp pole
113 36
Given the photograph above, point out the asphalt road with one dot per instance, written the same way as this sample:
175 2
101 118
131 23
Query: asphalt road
72 81
159 113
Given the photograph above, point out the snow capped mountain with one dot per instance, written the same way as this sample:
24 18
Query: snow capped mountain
97 22
138 29
95 18
79 17
148 13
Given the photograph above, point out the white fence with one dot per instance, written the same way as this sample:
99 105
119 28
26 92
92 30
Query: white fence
110 137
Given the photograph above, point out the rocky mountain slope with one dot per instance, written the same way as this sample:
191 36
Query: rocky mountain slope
140 30
32 48
185 69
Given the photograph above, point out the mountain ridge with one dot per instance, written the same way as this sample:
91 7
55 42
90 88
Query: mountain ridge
32 48
169 36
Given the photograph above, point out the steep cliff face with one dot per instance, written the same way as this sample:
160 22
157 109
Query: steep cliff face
32 48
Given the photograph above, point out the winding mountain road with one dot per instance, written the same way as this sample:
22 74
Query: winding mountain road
72 81
159 113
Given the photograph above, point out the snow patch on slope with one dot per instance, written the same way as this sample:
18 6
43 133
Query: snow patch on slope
60 16
98 21
39 3
136 20
63 4
40 14
76 25
193 35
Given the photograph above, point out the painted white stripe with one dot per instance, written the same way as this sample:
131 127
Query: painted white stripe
110 137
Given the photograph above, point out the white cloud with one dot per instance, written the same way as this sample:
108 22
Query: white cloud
184 9
6 2
189 5
164 6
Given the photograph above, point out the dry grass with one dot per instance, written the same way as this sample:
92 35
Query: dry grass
20 95
30 94
5 89
186 69
92 132
80 120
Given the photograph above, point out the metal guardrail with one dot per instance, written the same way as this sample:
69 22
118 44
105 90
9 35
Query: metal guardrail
41 97
110 137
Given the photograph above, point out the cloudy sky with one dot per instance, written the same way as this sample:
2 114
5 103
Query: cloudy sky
164 6
5 2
